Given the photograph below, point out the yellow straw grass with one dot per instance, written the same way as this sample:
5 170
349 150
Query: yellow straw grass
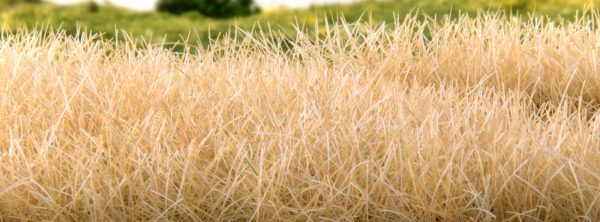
475 119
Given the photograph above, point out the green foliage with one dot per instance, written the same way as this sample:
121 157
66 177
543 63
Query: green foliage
212 8
93 7
178 6
13 2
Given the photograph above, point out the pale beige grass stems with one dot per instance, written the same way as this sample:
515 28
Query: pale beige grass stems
486 118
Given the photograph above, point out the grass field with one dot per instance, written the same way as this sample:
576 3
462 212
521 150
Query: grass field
475 119
155 26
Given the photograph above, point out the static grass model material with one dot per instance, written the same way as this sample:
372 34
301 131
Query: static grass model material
473 119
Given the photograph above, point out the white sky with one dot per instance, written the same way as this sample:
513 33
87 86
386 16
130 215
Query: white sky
147 5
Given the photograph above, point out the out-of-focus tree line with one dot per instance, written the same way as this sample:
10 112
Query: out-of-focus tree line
211 8
232 8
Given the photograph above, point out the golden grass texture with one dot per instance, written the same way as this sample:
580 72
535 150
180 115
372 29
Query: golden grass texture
475 119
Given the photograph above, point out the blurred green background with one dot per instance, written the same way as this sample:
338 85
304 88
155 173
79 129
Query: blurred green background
154 26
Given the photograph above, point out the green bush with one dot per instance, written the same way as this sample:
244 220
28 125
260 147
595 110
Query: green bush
212 8
178 6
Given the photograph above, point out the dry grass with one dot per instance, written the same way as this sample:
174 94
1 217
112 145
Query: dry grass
485 118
